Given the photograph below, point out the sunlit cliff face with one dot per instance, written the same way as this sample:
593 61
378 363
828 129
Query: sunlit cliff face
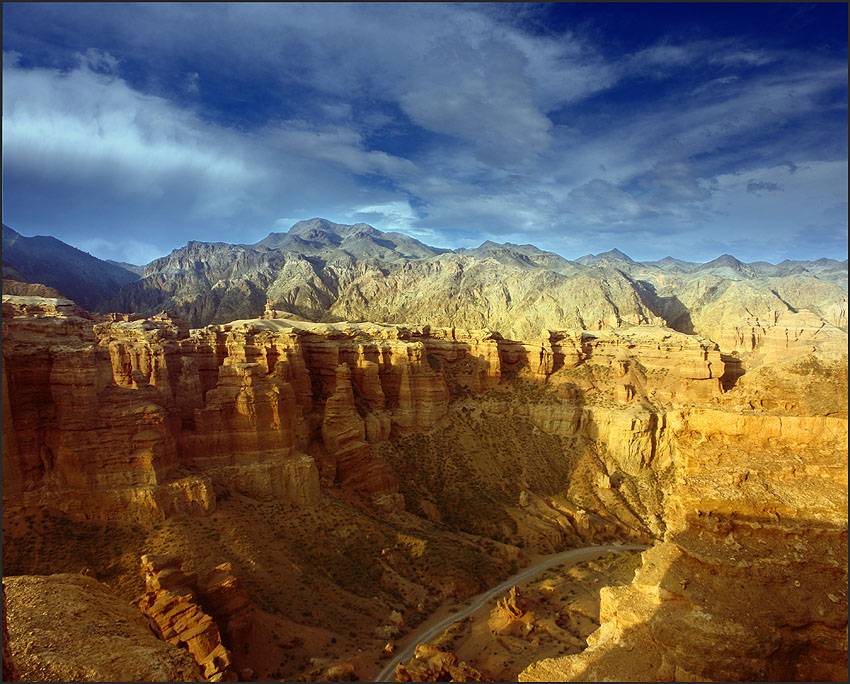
347 471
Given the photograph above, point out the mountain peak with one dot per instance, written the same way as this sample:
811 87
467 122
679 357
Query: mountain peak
611 255
319 224
724 260
616 254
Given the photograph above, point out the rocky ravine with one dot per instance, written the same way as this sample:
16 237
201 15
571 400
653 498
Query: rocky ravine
394 466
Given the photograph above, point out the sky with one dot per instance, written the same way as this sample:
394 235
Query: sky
688 130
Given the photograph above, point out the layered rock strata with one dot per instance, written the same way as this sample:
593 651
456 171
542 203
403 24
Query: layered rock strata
750 582
228 603
174 599
143 418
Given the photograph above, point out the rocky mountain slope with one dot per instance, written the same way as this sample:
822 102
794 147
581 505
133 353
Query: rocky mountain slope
324 271
48 261
133 268
356 475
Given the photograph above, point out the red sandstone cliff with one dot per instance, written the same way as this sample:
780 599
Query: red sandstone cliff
118 417
141 418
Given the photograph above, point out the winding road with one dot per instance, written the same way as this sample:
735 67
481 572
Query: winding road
430 632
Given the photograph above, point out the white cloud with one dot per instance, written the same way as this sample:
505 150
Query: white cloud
504 142
113 160
747 57
338 145
98 61
398 216
93 126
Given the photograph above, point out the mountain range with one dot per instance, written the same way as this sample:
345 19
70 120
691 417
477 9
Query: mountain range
325 271
48 261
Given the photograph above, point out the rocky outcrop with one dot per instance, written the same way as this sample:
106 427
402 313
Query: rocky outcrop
25 289
513 615
171 601
430 664
72 628
88 411
750 582
777 336
228 603
142 419
115 410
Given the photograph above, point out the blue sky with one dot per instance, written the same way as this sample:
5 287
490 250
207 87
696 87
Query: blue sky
687 130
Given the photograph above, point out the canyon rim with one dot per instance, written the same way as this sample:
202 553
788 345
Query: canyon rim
290 493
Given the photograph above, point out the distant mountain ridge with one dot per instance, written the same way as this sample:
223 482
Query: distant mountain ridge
76 274
325 271
133 268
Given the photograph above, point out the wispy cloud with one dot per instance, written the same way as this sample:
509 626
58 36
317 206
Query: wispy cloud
336 145
449 122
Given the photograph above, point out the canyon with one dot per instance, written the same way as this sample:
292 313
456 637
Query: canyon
277 493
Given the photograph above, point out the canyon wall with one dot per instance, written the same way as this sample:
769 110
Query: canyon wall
750 580
577 436
140 417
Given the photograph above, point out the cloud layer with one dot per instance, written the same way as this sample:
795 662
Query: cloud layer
130 129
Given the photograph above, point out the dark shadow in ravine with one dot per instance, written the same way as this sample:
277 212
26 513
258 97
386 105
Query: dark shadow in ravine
733 370
770 607
670 308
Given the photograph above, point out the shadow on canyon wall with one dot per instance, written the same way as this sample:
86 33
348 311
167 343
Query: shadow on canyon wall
763 612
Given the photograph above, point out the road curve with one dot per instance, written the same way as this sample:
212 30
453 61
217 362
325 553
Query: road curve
575 556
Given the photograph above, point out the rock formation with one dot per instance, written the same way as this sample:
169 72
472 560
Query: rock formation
750 582
228 603
25 289
121 407
462 438
174 601
71 628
